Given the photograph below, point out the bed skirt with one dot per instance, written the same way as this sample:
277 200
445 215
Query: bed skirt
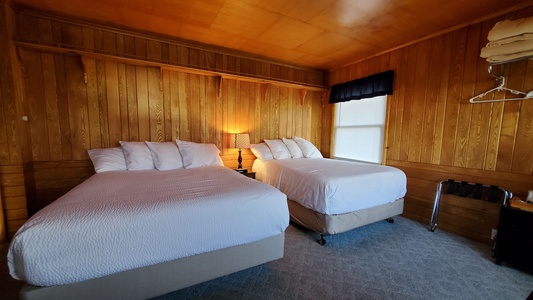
333 224
160 279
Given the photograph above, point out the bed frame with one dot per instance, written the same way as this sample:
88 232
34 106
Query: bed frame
333 224
160 279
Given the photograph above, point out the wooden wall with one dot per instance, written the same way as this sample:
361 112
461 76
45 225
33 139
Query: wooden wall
138 103
434 132
75 36
13 140
78 96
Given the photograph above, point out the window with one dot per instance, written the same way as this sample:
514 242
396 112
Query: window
359 129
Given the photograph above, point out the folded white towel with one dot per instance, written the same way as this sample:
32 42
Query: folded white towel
509 28
518 38
509 57
516 47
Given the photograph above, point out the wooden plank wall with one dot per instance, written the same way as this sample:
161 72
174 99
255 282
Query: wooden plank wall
13 197
138 103
434 132
39 28
77 102
13 139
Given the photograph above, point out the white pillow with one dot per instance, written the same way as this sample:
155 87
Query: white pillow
308 149
278 149
138 156
107 159
198 154
166 155
261 151
293 147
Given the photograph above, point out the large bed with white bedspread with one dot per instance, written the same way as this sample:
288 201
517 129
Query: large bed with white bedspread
333 196
140 234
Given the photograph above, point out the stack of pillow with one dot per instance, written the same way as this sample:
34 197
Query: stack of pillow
284 149
155 155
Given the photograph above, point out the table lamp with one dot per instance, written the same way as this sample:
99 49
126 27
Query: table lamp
240 140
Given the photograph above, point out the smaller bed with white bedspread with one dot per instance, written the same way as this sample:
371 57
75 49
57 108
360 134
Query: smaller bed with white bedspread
330 196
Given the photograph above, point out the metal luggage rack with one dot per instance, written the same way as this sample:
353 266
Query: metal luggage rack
490 193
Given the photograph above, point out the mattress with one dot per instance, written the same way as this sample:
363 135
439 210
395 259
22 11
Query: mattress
332 186
117 221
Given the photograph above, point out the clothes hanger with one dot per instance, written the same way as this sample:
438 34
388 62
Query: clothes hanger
501 88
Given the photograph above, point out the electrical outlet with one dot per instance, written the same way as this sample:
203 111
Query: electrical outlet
493 234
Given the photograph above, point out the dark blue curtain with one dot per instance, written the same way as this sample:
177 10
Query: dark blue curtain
375 85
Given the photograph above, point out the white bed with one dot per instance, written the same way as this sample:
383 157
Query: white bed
140 234
333 196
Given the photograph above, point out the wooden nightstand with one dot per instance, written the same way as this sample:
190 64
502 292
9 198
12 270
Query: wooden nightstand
249 174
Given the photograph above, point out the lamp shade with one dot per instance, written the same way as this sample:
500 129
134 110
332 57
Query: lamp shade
239 140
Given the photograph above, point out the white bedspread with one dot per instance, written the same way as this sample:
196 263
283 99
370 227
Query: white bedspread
116 221
332 186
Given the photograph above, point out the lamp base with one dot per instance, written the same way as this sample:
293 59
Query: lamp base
242 170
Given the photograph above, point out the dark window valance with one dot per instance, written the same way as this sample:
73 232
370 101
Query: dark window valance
375 85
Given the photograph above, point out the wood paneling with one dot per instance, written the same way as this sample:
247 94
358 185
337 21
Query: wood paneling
13 197
434 133
11 100
124 102
69 35
13 138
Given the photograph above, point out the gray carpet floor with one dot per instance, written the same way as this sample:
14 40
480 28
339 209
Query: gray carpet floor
403 260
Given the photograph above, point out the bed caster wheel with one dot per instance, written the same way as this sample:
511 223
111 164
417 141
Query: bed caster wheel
433 228
390 220
321 241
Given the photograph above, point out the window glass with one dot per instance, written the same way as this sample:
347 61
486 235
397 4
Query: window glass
359 129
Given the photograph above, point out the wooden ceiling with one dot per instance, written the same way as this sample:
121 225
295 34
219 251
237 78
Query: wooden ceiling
323 34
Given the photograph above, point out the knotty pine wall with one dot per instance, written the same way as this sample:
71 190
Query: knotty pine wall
434 133
84 86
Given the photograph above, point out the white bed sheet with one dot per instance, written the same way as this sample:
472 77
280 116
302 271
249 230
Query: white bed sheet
116 221
332 186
